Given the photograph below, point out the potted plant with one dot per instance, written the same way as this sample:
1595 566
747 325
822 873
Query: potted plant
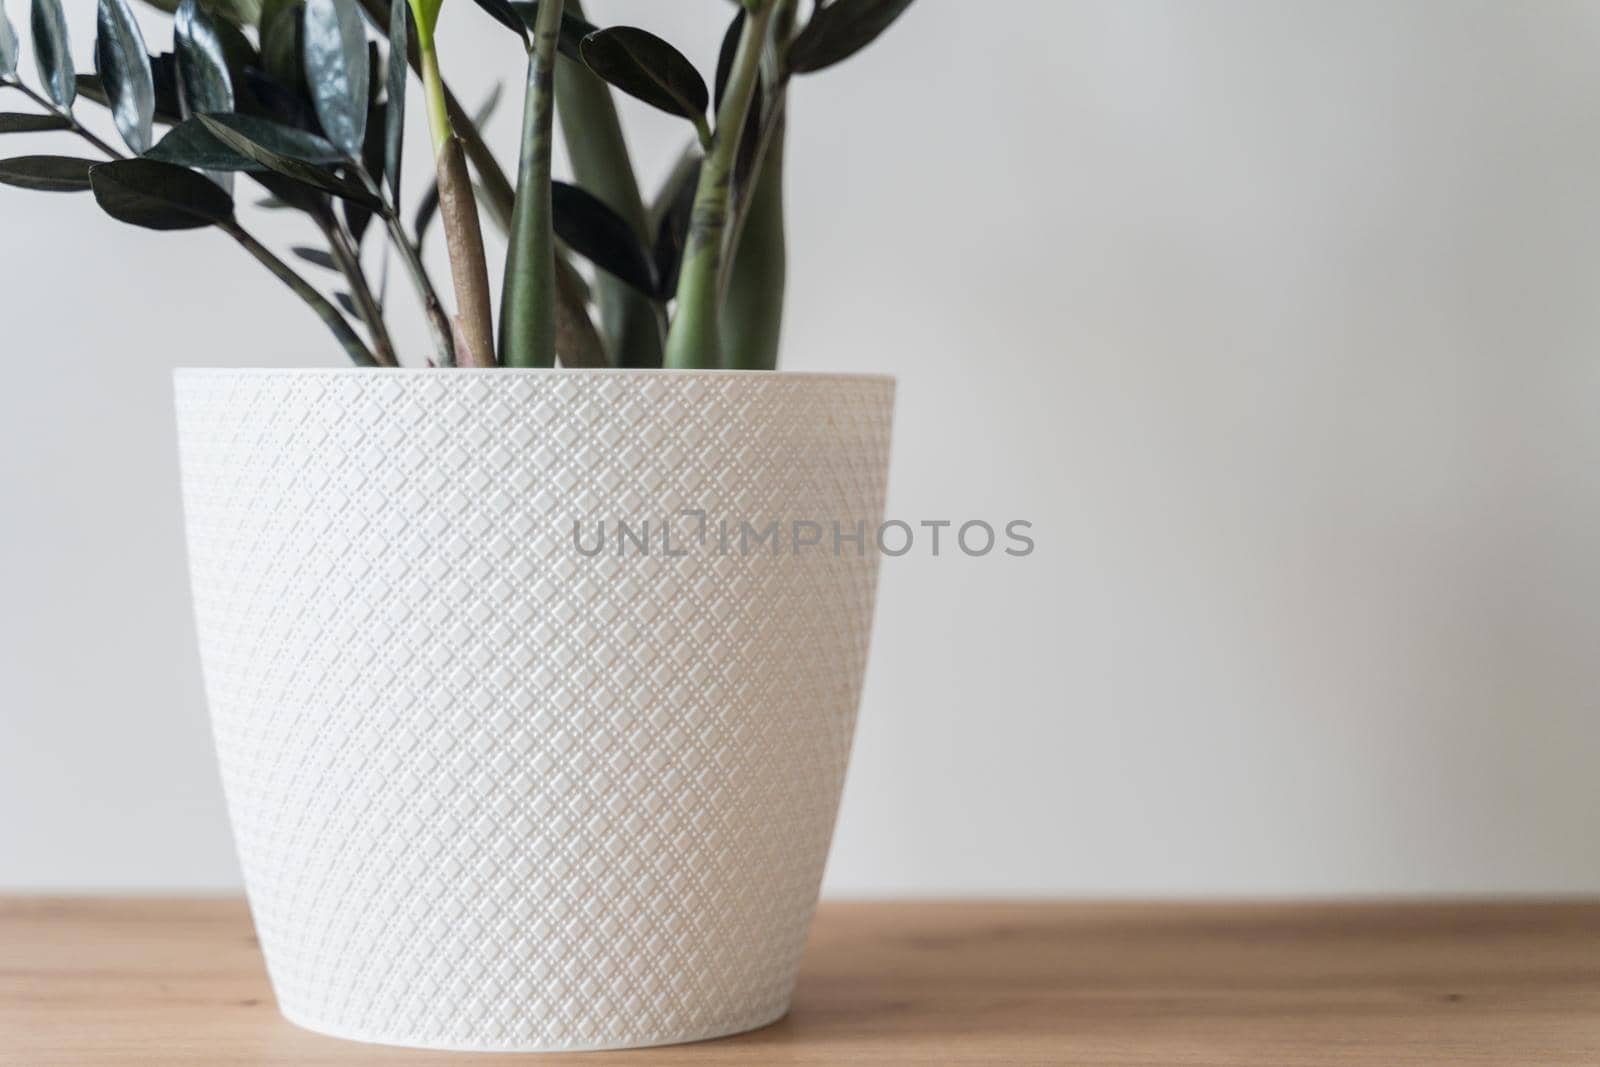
532 674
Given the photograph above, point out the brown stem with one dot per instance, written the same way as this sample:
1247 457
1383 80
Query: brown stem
458 212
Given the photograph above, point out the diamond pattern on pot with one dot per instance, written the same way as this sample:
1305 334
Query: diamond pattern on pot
490 792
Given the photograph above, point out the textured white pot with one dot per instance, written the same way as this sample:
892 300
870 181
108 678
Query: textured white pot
491 792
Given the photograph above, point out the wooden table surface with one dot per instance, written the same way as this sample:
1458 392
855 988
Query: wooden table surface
176 982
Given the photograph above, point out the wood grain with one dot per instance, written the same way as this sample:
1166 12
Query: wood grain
180 982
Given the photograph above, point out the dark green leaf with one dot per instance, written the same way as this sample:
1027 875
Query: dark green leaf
159 196
675 206
427 208
394 119
164 74
315 255
485 111
644 66
503 13
335 53
237 50
293 194
274 100
192 144
840 30
51 174
601 236
280 41
8 44
574 28
124 68
238 12
355 215
52 51
344 300
203 80
725 56
16 122
228 130
164 71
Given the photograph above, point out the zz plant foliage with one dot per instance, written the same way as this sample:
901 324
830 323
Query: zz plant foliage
306 99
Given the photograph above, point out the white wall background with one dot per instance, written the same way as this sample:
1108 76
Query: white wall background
1281 322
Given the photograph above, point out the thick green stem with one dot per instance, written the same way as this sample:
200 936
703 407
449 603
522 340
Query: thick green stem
752 310
601 163
694 339
528 307
329 314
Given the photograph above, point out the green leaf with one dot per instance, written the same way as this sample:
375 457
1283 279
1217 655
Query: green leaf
292 194
648 68
315 255
228 130
840 30
335 54
394 118
574 28
165 74
238 12
270 98
372 159
16 122
345 300
52 51
601 236
50 174
280 41
192 144
158 196
124 68
8 45
673 208
503 13
204 83
427 210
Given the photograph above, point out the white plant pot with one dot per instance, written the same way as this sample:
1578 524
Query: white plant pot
491 792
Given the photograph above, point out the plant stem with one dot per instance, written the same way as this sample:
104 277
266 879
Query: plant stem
752 309
578 343
336 323
498 195
65 115
756 270
528 310
344 254
438 321
694 338
458 214
600 162
773 126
